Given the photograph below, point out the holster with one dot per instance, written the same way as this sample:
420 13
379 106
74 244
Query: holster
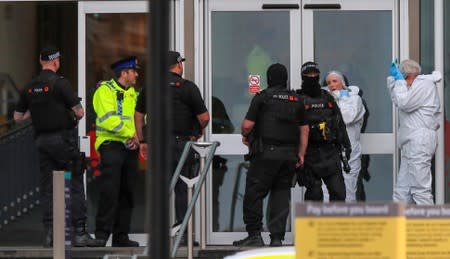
255 148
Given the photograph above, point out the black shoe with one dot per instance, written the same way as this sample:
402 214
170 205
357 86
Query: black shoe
82 238
48 241
124 241
275 241
254 240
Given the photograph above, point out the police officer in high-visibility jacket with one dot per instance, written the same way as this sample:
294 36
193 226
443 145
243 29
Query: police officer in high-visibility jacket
114 103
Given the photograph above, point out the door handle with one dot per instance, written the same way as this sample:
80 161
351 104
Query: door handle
280 6
322 6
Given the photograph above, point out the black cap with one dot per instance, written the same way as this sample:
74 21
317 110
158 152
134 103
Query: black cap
277 75
49 53
174 58
126 63
309 67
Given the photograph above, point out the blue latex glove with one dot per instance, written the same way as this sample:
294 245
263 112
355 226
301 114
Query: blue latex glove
344 92
395 72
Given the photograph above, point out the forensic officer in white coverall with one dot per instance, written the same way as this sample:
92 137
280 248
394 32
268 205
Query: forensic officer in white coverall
417 99
352 109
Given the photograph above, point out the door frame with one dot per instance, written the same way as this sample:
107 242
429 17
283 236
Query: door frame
231 144
300 52
176 31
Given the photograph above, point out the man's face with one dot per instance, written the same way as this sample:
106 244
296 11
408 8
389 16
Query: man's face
130 76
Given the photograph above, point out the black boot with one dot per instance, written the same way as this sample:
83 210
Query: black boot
251 240
48 241
82 238
122 240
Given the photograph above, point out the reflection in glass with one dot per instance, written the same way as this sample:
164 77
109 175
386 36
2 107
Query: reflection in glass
362 56
111 37
243 44
380 185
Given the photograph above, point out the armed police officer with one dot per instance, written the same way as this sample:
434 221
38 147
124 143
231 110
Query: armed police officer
114 103
55 110
328 139
189 117
277 135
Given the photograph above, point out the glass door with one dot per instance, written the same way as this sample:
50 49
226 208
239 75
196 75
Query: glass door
109 31
242 39
359 38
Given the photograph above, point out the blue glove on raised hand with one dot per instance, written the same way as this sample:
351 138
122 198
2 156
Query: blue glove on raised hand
395 72
344 92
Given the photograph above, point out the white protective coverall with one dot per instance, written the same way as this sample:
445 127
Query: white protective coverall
419 109
352 110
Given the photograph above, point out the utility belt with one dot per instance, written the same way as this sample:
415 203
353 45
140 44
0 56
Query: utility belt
321 144
280 152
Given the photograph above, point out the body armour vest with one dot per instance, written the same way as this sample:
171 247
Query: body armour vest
48 113
321 118
185 122
278 123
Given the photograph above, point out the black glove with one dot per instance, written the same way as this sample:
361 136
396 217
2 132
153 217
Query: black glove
304 177
365 160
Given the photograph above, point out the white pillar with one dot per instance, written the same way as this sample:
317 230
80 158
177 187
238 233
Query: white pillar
439 66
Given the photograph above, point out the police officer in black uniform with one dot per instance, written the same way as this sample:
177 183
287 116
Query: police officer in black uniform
276 132
190 117
55 110
328 139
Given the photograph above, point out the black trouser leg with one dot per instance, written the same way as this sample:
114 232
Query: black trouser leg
126 197
255 191
314 192
280 200
112 159
336 186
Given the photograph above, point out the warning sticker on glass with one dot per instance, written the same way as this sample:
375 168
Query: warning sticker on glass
254 84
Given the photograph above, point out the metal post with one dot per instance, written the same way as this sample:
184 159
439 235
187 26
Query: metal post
62 234
190 225
202 208
159 110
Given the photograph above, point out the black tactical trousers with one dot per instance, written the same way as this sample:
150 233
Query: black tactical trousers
117 182
58 151
264 176
324 163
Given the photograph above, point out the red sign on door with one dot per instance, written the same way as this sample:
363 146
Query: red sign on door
254 84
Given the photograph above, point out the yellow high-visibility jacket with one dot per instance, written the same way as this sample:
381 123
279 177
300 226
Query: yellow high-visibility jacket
114 107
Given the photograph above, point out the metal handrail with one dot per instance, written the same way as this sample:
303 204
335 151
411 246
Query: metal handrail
198 187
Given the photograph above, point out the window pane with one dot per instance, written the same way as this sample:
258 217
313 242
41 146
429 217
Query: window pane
365 63
243 44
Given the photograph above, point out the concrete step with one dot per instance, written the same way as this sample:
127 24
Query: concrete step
211 252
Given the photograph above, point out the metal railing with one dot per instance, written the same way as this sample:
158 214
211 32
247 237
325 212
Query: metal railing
206 151
19 169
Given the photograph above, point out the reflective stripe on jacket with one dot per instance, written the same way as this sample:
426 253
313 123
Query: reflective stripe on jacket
114 108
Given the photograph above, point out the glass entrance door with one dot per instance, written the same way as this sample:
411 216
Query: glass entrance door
244 38
109 31
357 38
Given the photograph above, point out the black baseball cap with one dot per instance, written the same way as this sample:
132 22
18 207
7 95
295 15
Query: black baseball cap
174 58
49 53
310 67
126 63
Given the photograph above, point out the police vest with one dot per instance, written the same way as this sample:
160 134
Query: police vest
185 122
48 112
277 124
320 115
114 107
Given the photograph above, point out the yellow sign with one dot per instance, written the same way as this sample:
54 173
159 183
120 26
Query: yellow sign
428 232
356 231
